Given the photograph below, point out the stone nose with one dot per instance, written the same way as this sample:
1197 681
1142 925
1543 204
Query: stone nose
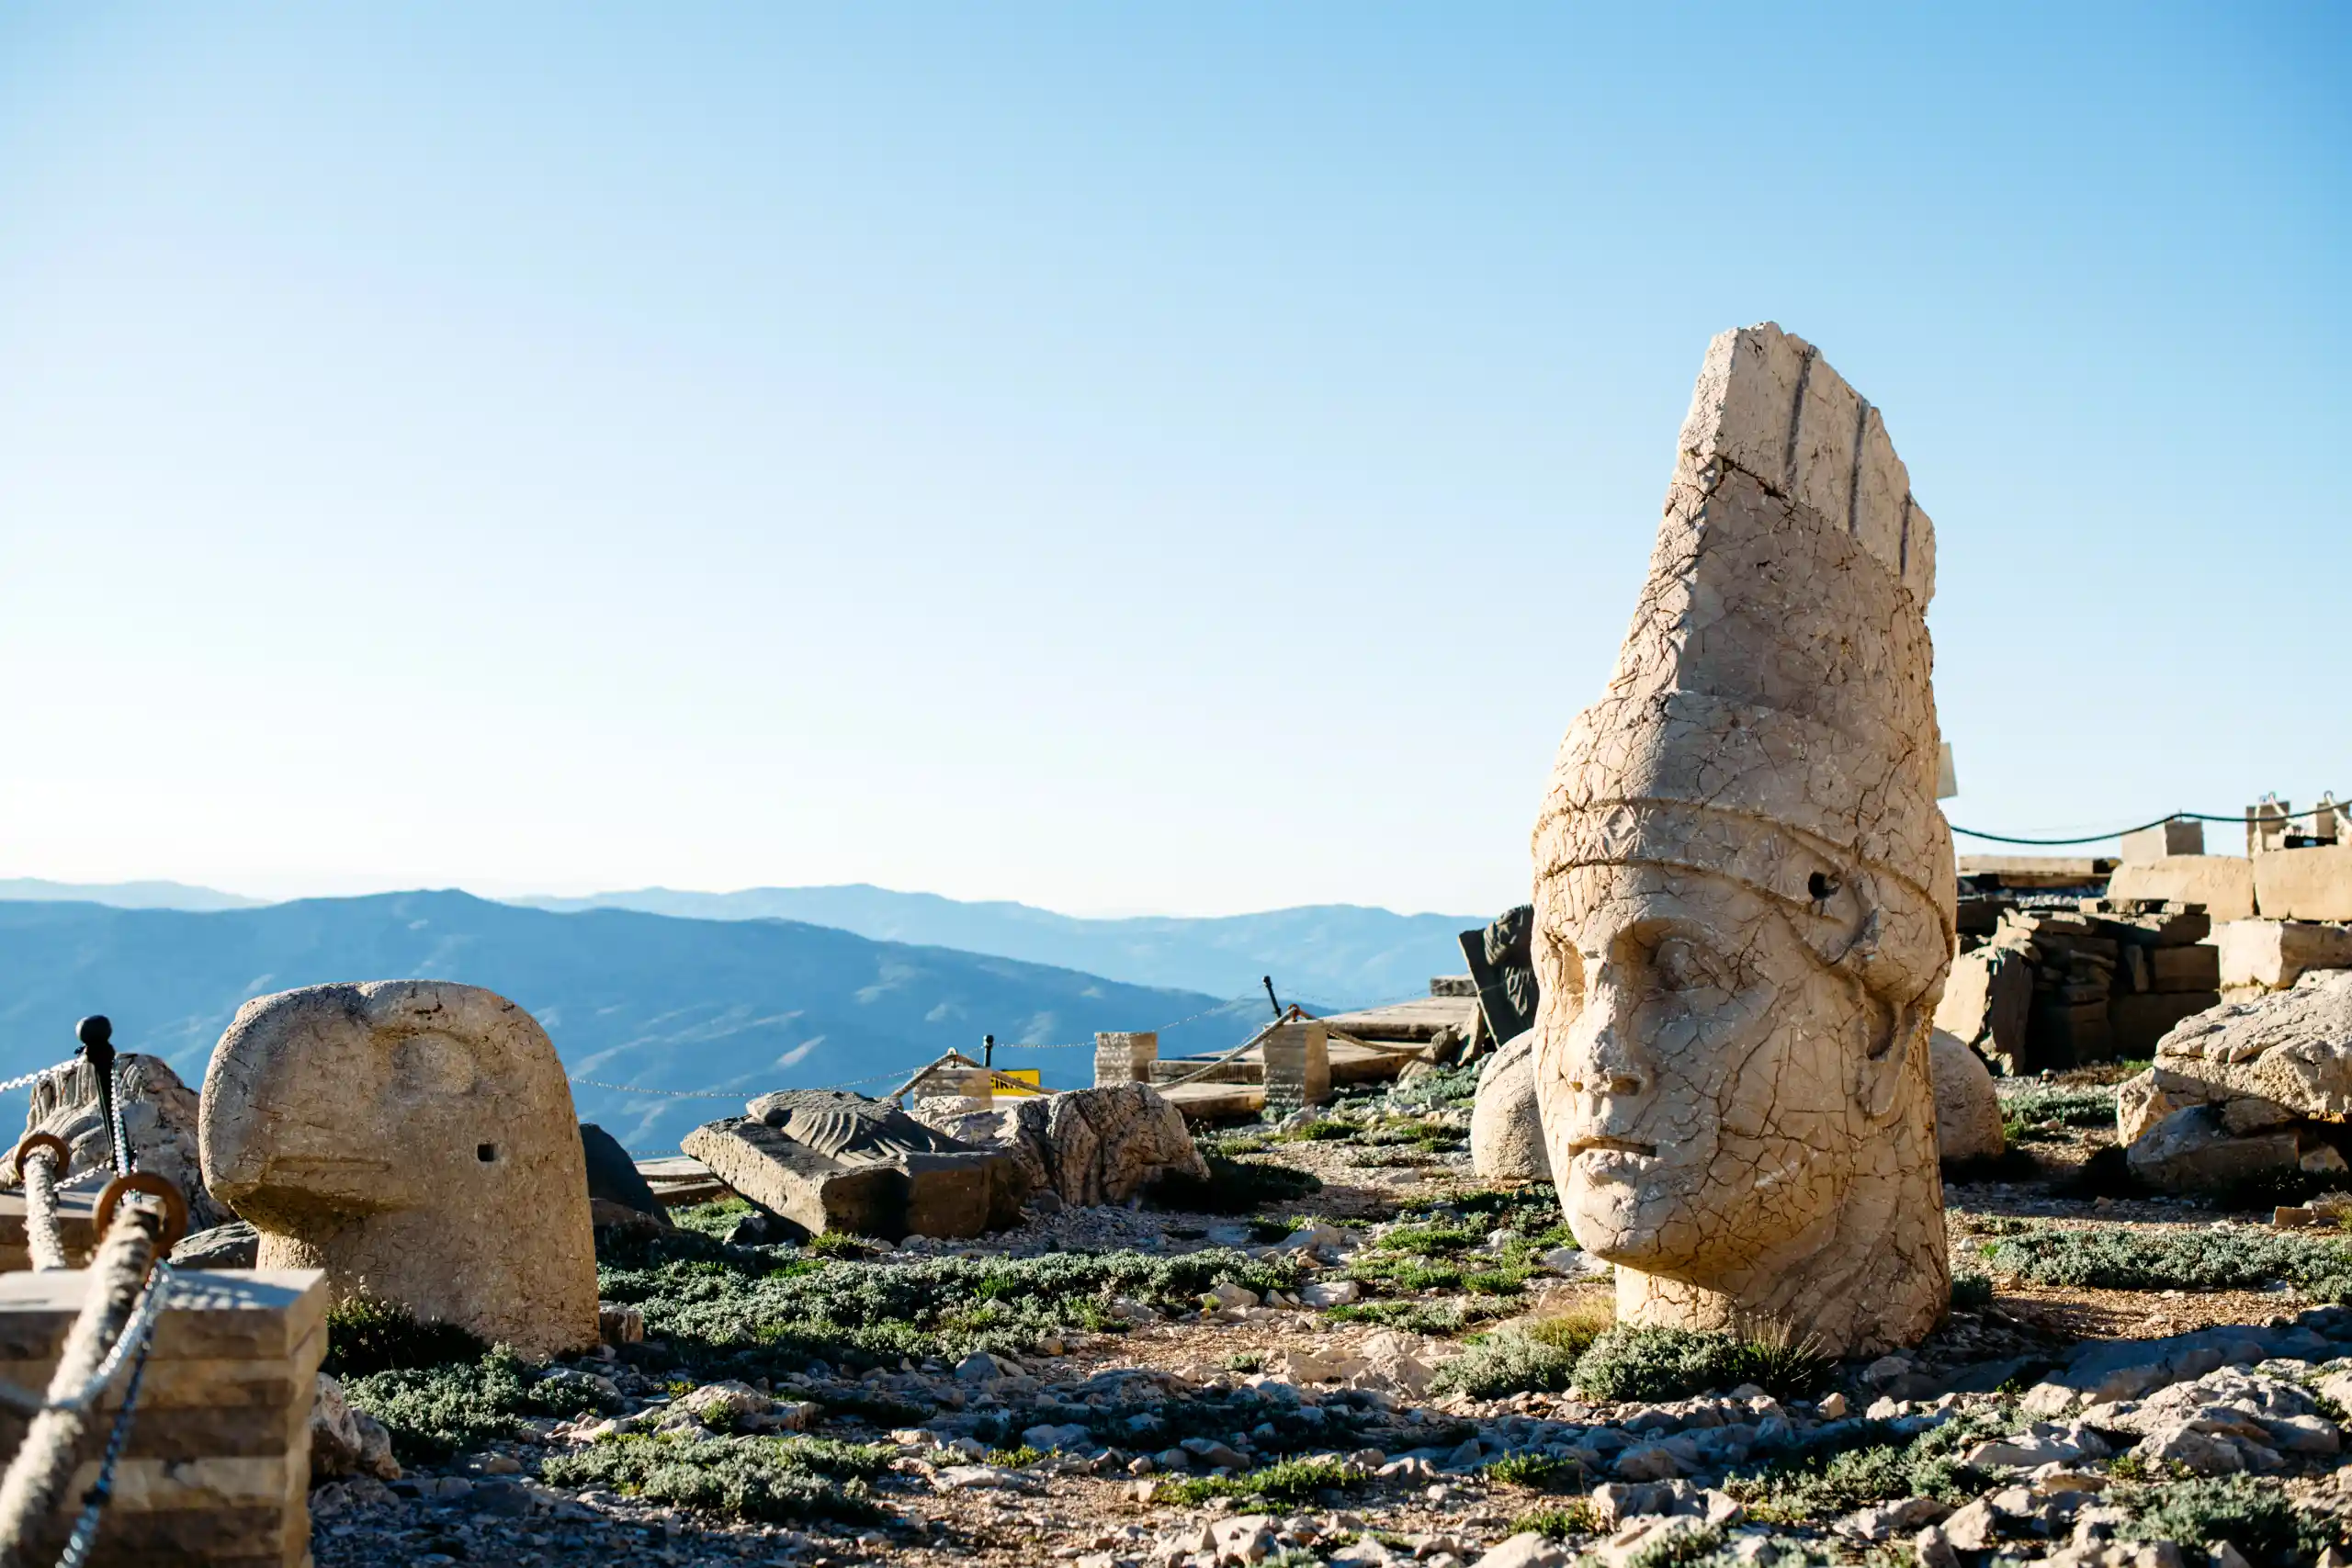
1608 1079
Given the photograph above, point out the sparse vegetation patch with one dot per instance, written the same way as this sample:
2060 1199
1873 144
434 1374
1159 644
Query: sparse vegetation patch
2219 1258
1636 1363
749 1478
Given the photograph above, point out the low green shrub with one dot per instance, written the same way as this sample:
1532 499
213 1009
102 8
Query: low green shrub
1428 1240
1654 1364
1445 1089
2220 1257
1293 1482
1019 1457
750 1478
1867 1463
1537 1355
366 1336
1413 1317
713 1219
436 1411
1690 1547
1970 1292
2255 1517
1569 1521
2031 1103
712 1298
1537 1472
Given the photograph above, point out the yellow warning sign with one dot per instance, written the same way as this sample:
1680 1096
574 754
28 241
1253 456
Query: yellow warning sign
1017 1081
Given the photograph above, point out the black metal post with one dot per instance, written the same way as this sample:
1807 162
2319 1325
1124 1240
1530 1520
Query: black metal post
96 1034
1268 981
988 1050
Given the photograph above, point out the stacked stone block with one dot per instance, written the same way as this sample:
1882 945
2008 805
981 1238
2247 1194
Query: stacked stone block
1125 1058
216 1472
73 1229
1298 1066
2108 981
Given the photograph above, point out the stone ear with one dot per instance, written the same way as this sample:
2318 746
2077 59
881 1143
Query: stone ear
1878 1076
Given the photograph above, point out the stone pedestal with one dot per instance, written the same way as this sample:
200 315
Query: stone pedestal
218 1468
1125 1058
72 1228
1298 1068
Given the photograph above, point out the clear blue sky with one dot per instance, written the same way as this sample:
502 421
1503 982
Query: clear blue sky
1190 458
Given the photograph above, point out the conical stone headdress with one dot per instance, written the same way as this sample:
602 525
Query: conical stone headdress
1770 718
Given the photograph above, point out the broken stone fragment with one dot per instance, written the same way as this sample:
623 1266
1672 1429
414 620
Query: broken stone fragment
2191 1150
1105 1145
160 1120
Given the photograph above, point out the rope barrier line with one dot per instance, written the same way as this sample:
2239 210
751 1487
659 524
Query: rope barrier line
2167 816
40 1210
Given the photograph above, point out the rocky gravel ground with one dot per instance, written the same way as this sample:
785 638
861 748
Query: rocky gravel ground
1400 1365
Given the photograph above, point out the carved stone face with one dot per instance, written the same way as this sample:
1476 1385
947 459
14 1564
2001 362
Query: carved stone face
1700 1064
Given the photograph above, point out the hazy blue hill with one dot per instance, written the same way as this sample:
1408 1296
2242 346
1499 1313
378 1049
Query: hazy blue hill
125 895
1330 955
628 997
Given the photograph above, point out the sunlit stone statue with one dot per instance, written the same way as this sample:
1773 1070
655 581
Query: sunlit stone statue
1743 889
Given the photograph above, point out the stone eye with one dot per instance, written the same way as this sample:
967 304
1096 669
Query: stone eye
1678 966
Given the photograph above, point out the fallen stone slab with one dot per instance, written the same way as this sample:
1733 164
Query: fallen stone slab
828 1160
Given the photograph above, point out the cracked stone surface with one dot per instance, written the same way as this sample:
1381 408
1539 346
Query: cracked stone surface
1744 890
415 1139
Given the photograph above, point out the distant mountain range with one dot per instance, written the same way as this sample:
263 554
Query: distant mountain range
1324 954
738 1006
125 895
1327 955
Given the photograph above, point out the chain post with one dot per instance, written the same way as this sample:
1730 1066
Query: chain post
96 1034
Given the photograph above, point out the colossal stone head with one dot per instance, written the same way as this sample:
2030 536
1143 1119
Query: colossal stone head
416 1140
1743 889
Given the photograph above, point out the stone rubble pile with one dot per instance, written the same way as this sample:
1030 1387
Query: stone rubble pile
2246 1090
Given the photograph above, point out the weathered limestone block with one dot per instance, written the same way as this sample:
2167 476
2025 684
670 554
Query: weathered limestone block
1987 1002
1745 892
344 1441
1507 1118
1297 1058
159 1120
1105 1144
2192 1150
2312 884
2223 884
415 1139
218 1467
2270 955
2179 836
828 1160
2293 1048
1968 1109
1125 1057
75 1230
2146 1099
